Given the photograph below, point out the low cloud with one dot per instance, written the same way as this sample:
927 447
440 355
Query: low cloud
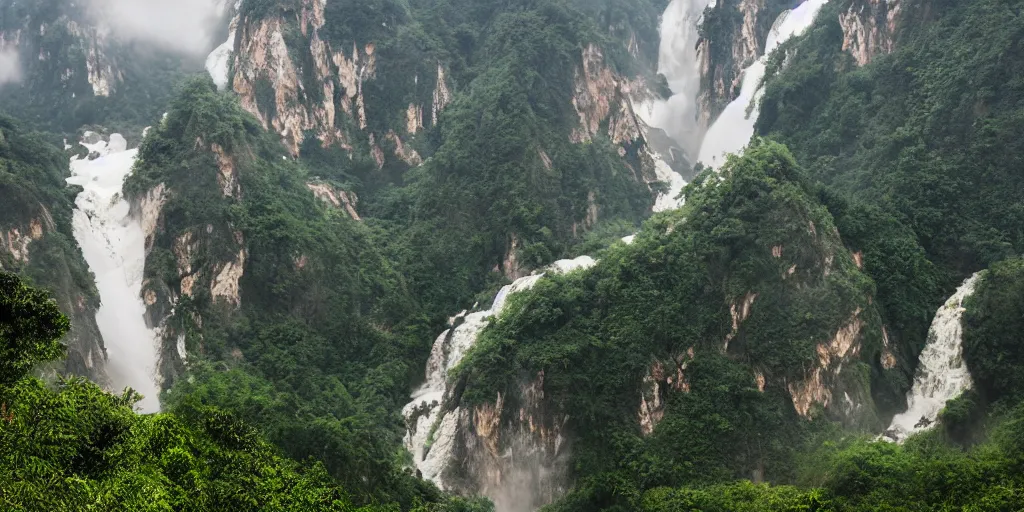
10 67
185 26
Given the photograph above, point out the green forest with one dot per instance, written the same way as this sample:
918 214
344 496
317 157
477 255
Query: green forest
744 352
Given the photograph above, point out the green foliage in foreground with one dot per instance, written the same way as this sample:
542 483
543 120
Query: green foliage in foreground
78 448
321 352
926 474
75 447
34 195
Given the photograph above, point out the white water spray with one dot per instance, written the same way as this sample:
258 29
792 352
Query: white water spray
941 372
114 247
732 131
431 439
218 63
677 116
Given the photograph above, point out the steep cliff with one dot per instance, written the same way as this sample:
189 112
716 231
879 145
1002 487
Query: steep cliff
732 36
351 76
875 119
747 296
272 298
471 450
870 29
513 127
36 239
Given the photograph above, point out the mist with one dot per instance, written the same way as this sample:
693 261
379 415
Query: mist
185 26
10 67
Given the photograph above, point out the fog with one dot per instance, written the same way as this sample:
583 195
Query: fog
10 67
186 26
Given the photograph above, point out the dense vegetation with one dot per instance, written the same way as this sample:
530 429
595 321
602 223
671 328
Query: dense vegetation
71 446
897 179
924 137
322 352
501 176
972 462
992 332
337 316
35 196
596 334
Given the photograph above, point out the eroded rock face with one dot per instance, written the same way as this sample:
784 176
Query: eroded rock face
227 178
662 377
723 55
225 283
817 388
149 208
869 28
269 78
519 459
64 56
335 197
739 311
442 95
185 247
263 61
17 243
602 95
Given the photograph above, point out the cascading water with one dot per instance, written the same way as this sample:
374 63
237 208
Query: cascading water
733 129
218 63
113 244
677 116
678 63
941 372
432 431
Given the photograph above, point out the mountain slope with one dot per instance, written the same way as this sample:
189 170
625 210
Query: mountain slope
744 297
36 239
496 135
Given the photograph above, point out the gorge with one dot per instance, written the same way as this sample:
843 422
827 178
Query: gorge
470 256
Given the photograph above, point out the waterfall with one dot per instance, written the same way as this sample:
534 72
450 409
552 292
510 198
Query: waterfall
733 129
677 116
218 63
941 372
432 431
114 247
678 63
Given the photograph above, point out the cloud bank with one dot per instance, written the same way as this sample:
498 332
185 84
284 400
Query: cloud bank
185 26
10 67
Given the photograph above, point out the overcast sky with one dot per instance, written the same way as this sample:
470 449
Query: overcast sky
181 25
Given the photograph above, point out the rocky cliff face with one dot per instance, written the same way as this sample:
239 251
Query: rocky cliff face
733 36
313 87
60 43
785 323
870 28
205 261
513 451
36 241
28 250
734 32
387 96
